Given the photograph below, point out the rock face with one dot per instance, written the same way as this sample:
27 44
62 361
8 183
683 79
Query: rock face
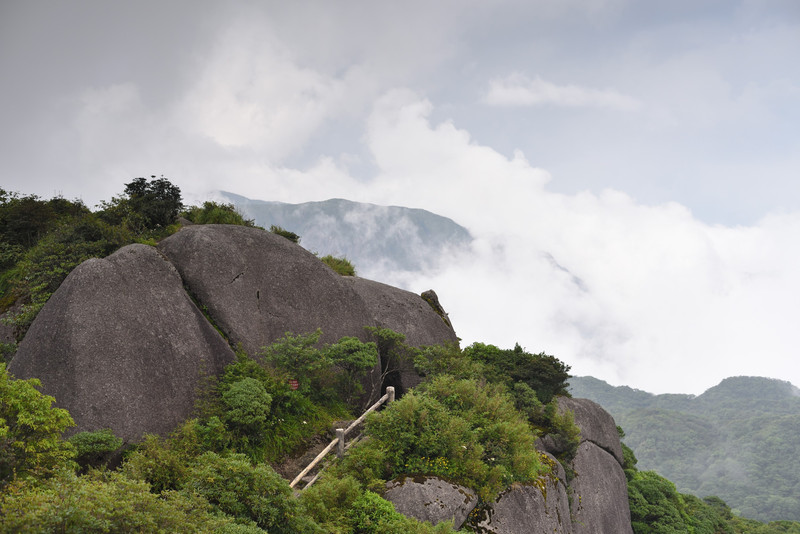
536 509
595 501
596 424
120 345
599 493
431 499
258 285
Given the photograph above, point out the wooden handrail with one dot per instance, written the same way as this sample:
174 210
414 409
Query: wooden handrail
340 439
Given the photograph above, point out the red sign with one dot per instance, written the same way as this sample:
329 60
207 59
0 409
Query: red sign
293 383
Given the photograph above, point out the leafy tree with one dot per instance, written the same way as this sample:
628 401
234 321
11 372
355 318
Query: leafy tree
30 430
157 201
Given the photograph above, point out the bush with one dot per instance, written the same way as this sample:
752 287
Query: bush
101 502
544 374
30 430
291 236
328 501
215 213
459 429
247 492
341 265
341 506
93 448
247 406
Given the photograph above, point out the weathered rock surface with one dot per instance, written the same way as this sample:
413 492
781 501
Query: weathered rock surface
541 508
258 285
431 499
599 493
120 345
595 423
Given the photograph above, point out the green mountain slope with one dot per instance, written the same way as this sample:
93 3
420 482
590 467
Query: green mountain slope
738 440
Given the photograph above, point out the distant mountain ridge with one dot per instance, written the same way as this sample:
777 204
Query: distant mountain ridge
738 440
373 237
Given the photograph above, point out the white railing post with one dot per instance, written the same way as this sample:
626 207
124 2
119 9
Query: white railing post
339 440
340 447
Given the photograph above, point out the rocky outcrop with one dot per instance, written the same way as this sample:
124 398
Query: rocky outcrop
120 345
596 424
599 493
599 490
431 499
258 285
541 508
594 501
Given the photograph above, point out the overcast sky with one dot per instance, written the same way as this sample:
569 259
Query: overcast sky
630 169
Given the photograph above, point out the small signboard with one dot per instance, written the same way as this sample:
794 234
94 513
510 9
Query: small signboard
293 383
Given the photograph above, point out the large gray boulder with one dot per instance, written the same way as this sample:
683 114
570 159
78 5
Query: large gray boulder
120 345
541 508
428 498
596 424
599 493
257 285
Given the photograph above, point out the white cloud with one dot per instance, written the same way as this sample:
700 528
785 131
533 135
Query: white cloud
518 90
635 294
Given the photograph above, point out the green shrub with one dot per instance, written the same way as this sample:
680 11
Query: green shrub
246 404
324 374
460 429
544 374
291 236
341 265
339 505
101 502
328 502
247 492
93 448
215 213
30 430
163 463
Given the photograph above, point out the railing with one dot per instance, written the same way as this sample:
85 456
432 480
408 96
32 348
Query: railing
339 440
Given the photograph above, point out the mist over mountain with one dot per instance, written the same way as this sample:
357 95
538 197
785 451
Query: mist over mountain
737 440
375 238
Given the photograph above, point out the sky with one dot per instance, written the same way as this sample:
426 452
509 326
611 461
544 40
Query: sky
630 169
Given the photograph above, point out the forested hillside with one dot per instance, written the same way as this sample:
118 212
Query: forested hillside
738 440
